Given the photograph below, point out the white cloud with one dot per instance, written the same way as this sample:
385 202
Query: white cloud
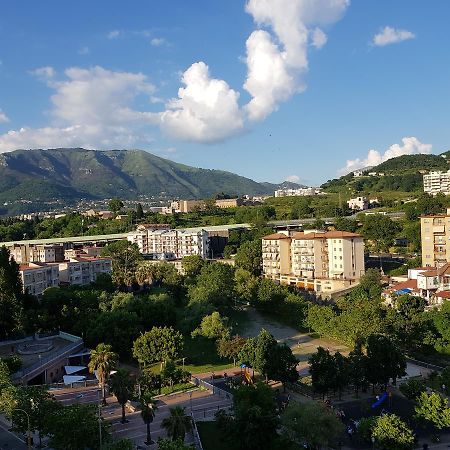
91 108
389 35
206 109
277 62
84 51
158 42
293 178
3 117
114 34
44 73
410 146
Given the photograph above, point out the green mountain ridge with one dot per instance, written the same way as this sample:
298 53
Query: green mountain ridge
73 174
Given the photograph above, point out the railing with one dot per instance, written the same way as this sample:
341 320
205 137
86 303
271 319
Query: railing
197 440
211 387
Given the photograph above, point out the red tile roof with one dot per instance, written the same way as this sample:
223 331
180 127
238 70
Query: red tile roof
443 294
276 236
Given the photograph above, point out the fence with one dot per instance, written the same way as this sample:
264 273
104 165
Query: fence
197 440
425 364
213 388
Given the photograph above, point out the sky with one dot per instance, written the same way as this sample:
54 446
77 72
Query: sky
303 90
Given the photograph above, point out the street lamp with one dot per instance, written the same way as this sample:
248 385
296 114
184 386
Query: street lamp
28 426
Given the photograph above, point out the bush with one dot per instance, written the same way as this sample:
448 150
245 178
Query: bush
412 388
365 428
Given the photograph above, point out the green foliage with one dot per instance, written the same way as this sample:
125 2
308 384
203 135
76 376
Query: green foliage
192 265
169 444
115 205
433 408
313 423
158 345
102 361
412 388
391 433
381 230
177 424
322 370
365 428
230 347
249 257
122 386
14 363
213 327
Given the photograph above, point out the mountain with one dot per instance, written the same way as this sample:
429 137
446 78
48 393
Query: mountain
403 173
76 173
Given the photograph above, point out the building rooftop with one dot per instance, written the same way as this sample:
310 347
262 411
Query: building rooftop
275 236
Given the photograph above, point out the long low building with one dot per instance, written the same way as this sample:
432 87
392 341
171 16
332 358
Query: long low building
314 260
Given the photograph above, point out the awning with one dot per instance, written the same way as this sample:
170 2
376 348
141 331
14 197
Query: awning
69 379
73 369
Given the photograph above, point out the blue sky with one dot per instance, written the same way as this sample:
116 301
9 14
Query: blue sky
263 94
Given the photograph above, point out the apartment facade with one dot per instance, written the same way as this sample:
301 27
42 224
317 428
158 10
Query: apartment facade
36 277
358 203
436 182
170 244
225 203
435 237
81 271
319 261
24 254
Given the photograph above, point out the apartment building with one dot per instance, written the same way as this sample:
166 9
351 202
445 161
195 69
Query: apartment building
436 182
319 261
187 206
24 254
81 271
302 192
170 244
435 236
358 203
36 277
225 203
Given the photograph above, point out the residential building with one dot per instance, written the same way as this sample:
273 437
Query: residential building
436 182
24 254
358 203
314 260
302 192
36 277
358 173
435 236
224 203
170 244
83 270
187 206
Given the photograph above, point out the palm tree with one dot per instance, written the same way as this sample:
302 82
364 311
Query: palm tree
148 414
103 360
177 424
122 386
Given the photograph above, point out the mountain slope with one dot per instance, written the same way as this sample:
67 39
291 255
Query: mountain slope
71 174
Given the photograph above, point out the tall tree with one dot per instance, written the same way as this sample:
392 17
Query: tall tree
11 307
321 369
177 424
102 361
192 265
122 386
341 372
230 348
139 212
158 345
391 433
249 257
434 409
213 327
115 205
148 408
357 367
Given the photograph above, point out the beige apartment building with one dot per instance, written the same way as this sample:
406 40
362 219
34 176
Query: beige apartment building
435 236
81 271
319 261
36 277
224 203
24 254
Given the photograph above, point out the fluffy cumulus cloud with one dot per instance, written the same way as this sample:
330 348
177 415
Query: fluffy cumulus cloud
389 35
278 59
293 178
3 117
409 146
90 108
206 109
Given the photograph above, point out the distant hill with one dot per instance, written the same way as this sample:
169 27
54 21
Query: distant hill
403 173
71 174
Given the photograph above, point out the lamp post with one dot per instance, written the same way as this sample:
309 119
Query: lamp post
28 426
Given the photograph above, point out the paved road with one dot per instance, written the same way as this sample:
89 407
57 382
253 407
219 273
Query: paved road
8 440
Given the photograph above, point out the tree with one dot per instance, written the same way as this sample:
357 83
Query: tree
115 205
283 365
125 257
150 382
249 257
321 369
412 388
341 372
384 360
168 444
11 307
313 423
122 386
177 424
75 427
230 347
148 408
139 212
158 345
255 417
102 361
357 367
391 433
192 265
381 230
433 408
371 283
246 285
213 327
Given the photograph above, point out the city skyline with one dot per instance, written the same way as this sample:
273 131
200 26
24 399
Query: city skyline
327 87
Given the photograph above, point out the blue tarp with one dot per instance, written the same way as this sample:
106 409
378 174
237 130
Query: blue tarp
404 291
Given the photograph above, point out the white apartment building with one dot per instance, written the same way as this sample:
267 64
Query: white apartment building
319 261
170 244
436 182
36 277
81 271
302 192
358 203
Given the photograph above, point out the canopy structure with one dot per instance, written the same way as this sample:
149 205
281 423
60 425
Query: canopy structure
69 379
74 369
